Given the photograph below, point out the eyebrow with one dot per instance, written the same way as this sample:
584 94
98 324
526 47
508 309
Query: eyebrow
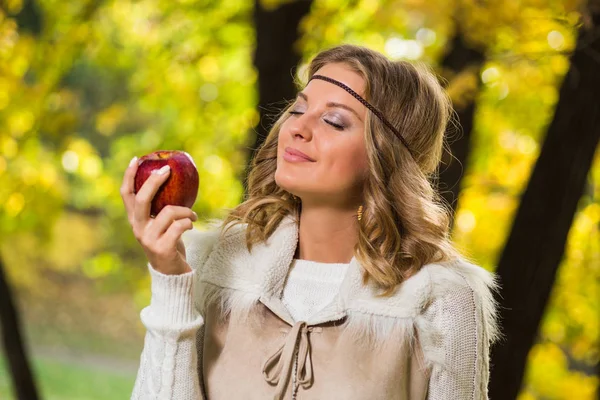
333 104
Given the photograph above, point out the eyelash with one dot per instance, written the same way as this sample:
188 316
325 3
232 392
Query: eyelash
336 126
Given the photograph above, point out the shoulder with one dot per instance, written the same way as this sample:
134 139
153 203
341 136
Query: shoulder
460 282
434 282
438 291
460 297
456 277
199 243
222 258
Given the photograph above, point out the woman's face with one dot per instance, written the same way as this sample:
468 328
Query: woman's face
327 125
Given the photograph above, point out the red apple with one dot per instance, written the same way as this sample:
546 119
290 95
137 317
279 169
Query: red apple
180 188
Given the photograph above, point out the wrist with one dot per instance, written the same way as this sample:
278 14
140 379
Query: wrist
172 296
171 268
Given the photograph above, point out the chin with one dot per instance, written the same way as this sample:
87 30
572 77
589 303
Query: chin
282 183
288 183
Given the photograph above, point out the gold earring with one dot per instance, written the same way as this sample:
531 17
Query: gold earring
359 212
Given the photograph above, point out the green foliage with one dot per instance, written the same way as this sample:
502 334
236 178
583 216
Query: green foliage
64 380
104 81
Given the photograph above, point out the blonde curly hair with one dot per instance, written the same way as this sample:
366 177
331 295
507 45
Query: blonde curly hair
405 223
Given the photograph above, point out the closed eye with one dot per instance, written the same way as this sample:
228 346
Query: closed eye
336 126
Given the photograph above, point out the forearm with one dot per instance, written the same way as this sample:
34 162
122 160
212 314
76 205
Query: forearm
169 360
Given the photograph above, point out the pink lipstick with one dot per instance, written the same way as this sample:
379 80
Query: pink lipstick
293 155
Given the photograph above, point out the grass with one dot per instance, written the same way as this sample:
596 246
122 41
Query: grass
61 380
45 335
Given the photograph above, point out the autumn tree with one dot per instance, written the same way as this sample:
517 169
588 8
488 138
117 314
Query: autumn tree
535 246
276 59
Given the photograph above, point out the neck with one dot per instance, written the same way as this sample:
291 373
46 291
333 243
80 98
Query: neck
327 234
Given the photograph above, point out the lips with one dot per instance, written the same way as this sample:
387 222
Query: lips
297 153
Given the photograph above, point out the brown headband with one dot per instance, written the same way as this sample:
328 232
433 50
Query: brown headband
370 107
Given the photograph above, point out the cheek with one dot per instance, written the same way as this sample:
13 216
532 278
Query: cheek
348 161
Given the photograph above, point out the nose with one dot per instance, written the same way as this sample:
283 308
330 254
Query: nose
300 128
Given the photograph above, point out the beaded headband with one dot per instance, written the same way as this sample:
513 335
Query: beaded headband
370 107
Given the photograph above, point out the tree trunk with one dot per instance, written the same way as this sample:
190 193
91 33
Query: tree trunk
459 58
29 20
276 59
23 383
535 246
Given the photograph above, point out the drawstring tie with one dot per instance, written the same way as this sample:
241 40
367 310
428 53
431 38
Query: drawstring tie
277 370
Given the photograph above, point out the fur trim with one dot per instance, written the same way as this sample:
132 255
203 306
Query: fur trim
198 245
263 270
482 283
432 341
374 330
485 284
234 279
229 303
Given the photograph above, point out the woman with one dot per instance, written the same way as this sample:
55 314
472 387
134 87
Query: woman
336 278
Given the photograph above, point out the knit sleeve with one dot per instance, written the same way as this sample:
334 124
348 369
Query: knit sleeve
170 363
460 328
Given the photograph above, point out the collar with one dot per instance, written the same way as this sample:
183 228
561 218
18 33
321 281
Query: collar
261 273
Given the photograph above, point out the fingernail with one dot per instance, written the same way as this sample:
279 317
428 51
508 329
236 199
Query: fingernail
195 215
133 160
163 170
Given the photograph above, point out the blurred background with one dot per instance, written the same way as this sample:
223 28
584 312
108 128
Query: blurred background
87 85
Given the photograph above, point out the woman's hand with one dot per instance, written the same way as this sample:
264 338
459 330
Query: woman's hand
160 236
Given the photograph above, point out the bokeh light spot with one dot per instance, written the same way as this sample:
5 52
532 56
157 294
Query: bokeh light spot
70 161
466 221
426 36
556 40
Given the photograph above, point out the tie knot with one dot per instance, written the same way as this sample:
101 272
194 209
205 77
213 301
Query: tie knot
292 359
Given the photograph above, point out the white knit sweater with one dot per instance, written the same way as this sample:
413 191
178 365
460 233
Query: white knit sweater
310 286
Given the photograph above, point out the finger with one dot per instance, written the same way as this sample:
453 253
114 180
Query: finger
127 187
144 196
174 232
166 217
